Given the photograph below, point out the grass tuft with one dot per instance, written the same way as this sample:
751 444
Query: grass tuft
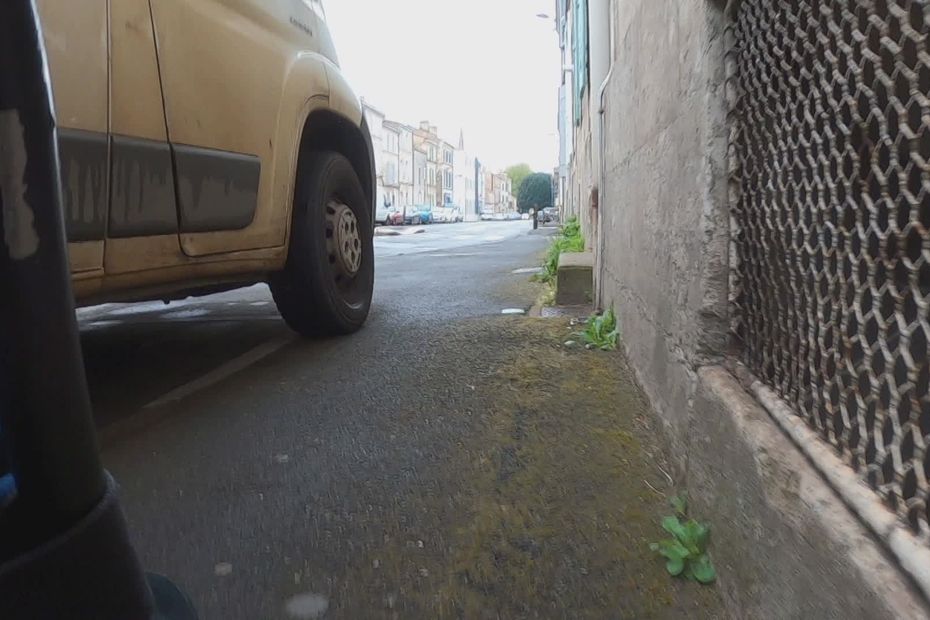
569 239
601 331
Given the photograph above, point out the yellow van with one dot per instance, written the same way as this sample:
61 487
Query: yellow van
211 144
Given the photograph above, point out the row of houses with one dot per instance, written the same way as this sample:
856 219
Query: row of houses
415 166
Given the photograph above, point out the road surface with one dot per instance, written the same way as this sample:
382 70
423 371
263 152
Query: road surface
446 461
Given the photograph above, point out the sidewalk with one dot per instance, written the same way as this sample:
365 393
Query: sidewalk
547 509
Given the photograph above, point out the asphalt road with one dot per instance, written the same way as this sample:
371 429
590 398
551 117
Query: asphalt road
234 473
444 462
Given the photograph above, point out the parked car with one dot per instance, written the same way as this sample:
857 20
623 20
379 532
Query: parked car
389 216
447 215
549 214
486 216
205 147
440 215
420 214
396 218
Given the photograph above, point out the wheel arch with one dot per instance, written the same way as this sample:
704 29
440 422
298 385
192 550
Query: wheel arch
326 130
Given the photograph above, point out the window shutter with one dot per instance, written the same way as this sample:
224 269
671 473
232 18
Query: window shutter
580 53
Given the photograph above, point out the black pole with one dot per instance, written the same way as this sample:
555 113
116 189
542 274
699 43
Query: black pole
64 545
44 402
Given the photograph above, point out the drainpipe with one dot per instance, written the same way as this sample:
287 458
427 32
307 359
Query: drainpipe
601 185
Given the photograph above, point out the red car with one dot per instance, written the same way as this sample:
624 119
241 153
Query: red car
392 217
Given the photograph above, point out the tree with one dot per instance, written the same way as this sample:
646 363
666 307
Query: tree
517 174
535 192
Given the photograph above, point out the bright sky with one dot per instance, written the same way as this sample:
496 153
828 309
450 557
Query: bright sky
488 67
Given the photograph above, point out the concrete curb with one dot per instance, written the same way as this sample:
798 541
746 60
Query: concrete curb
795 548
385 231
912 555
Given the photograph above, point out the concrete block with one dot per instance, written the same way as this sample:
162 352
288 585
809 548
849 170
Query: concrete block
784 543
575 279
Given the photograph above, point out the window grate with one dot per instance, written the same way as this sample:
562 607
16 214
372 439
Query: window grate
831 156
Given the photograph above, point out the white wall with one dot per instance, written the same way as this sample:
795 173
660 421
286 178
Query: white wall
464 183
375 119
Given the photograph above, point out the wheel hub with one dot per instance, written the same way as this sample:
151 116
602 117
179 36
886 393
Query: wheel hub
346 243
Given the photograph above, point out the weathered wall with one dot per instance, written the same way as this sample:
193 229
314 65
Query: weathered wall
784 543
786 546
663 215
582 177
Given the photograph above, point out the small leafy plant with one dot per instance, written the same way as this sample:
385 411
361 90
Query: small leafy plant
568 240
601 331
686 552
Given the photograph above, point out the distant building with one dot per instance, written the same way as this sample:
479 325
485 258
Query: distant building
415 166
427 139
503 195
446 173
390 164
490 201
406 171
464 169
479 187
420 177
375 119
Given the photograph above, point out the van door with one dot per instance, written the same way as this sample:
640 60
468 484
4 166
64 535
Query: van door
76 44
224 64
143 221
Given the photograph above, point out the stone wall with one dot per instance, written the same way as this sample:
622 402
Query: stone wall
582 175
785 543
664 218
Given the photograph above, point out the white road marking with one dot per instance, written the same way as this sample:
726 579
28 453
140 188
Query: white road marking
528 270
307 606
92 310
191 313
223 371
513 311
140 308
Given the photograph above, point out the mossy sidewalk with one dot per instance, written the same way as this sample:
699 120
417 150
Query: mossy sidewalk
547 509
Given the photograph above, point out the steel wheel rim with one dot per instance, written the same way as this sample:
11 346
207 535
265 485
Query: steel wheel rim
344 241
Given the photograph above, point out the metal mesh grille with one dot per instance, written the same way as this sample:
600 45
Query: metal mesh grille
832 226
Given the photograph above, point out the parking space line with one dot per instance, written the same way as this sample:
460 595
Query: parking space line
223 371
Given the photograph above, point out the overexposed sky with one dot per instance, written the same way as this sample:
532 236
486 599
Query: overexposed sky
488 67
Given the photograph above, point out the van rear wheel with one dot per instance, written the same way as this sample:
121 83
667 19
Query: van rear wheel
326 286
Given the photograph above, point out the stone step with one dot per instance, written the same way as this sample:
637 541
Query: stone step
574 280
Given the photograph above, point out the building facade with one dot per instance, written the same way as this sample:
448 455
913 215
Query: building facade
416 167
406 167
447 173
390 164
739 170
375 119
421 187
426 137
480 204
503 194
490 200
464 168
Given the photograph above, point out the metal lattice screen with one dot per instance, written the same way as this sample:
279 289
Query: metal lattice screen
832 226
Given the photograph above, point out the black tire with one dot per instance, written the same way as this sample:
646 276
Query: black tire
316 293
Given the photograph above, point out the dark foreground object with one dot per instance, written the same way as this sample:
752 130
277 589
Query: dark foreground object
64 545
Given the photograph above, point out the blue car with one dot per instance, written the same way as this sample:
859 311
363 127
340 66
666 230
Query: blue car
420 214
